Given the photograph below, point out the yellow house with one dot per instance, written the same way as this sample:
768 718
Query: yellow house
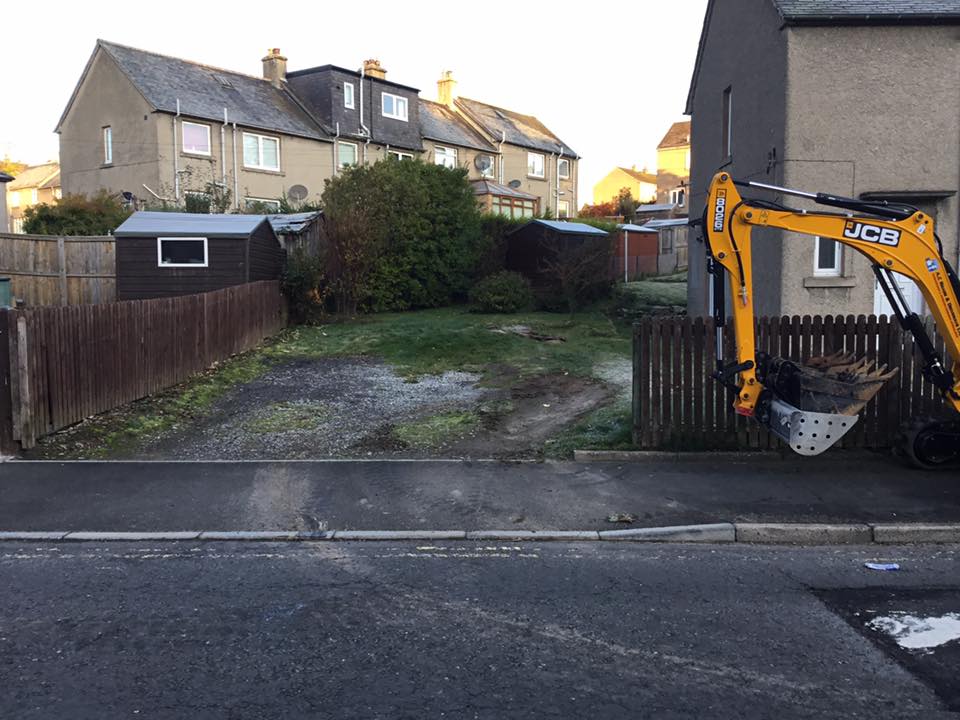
32 186
642 185
673 165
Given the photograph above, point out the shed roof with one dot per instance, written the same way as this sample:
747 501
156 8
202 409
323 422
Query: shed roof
665 222
564 228
488 187
438 122
149 224
523 130
630 227
204 91
292 223
654 207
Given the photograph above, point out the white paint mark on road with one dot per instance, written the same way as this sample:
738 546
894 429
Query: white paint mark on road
918 633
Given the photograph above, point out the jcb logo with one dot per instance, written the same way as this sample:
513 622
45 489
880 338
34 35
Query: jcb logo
719 211
871 233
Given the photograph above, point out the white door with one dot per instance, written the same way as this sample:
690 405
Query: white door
912 294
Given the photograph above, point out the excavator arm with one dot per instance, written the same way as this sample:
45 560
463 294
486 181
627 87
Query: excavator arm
812 406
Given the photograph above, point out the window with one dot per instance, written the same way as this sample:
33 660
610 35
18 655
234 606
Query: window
348 95
14 198
261 152
826 257
726 121
394 106
399 155
563 209
261 205
445 156
563 169
513 207
34 196
678 197
58 193
535 165
346 154
181 252
196 138
107 145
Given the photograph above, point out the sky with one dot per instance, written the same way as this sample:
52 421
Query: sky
605 76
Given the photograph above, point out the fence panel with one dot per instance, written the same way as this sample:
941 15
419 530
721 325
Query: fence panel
49 270
59 365
678 405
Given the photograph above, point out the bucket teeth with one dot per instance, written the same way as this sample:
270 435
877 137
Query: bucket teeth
840 383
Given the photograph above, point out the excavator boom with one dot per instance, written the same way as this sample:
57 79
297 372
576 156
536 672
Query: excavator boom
812 406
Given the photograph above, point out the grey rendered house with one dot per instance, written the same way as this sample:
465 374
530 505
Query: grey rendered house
852 97
157 128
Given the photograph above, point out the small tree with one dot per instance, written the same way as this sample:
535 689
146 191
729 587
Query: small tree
600 210
626 205
578 271
76 215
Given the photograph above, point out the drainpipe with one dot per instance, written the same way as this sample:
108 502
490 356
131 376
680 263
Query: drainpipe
336 149
363 128
626 254
503 139
546 170
559 158
236 170
176 157
223 149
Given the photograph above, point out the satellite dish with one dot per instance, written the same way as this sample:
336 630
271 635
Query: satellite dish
484 163
297 193
514 184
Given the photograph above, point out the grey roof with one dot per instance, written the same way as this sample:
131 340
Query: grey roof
149 224
867 10
652 208
565 228
438 122
665 222
204 92
630 227
488 187
523 130
38 176
292 223
4 178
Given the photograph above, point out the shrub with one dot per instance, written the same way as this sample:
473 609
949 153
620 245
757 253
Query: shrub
305 287
503 292
76 215
492 251
575 273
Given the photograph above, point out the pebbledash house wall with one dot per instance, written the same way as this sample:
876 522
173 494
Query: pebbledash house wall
754 65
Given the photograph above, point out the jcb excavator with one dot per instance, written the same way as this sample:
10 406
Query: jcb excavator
812 406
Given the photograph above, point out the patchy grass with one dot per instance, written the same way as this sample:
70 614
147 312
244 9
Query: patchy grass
608 428
657 293
436 430
286 416
433 341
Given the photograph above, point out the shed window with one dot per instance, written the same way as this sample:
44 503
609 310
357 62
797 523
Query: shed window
261 152
181 252
394 106
535 165
196 138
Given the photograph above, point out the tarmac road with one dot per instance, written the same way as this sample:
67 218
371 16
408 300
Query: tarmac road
465 630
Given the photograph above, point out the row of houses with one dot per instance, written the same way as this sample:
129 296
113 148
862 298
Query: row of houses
159 128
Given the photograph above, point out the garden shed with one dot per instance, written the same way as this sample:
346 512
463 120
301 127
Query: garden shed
162 254
539 241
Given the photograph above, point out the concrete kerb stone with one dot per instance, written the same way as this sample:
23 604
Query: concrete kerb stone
17 535
804 533
132 536
255 535
713 533
915 533
542 535
398 535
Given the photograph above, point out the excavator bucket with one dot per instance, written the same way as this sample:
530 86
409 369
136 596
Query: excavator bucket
817 403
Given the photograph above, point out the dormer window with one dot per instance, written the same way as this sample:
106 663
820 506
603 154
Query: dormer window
348 95
394 106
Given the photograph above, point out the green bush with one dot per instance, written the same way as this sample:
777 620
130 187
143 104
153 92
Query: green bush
503 292
76 215
492 252
305 286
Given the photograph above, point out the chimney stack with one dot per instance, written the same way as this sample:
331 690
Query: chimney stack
275 67
374 69
446 88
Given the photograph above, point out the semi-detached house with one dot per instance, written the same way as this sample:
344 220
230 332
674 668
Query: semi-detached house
159 128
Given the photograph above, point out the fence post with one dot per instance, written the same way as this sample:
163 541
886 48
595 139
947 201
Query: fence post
62 269
7 443
27 436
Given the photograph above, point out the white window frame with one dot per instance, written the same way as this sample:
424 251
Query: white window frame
161 263
837 269
565 212
356 154
400 155
183 139
349 102
561 162
396 115
34 196
247 201
14 198
678 197
438 160
260 138
543 165
107 145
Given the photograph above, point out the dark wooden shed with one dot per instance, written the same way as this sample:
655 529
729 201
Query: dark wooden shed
163 254
537 242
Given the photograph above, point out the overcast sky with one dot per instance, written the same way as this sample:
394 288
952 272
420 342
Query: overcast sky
607 77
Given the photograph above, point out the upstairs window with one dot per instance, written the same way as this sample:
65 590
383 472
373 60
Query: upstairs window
107 145
445 156
394 106
181 252
261 152
348 95
563 169
535 165
726 122
826 257
196 138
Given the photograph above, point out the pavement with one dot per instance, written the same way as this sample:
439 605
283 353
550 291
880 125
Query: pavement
467 495
469 630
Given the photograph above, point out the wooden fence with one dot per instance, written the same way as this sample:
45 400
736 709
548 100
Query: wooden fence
678 405
59 365
48 270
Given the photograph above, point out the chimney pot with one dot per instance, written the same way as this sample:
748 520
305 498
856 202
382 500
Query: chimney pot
373 68
274 67
446 88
